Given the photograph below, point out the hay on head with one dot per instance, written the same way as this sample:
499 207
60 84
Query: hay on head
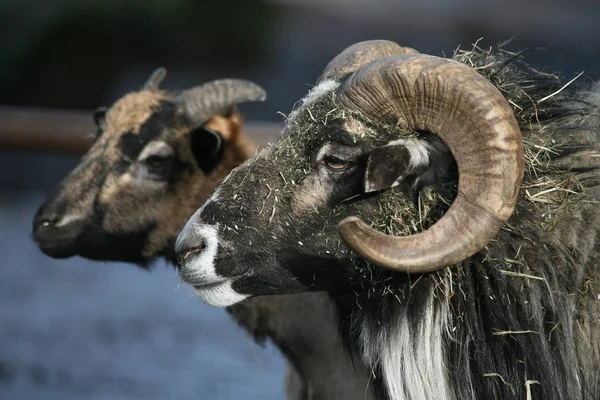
553 118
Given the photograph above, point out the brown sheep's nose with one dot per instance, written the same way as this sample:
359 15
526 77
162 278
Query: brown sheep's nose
45 218
53 238
48 220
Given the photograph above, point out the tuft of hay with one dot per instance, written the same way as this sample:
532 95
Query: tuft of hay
502 333
497 375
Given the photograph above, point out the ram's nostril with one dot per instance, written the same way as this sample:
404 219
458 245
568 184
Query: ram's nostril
188 251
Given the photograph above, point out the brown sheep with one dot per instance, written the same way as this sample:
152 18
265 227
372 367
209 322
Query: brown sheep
156 158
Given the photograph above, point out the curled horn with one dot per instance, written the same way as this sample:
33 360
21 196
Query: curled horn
359 54
155 79
200 103
468 113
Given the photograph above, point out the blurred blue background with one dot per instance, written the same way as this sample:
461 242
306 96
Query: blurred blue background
75 329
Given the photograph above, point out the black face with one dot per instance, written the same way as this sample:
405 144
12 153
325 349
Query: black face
132 191
271 227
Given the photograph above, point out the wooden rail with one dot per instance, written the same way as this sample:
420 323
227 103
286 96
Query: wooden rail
71 132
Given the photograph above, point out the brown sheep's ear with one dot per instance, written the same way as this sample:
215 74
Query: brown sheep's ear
229 125
386 167
99 116
207 147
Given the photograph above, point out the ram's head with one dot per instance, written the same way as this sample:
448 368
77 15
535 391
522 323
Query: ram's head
383 123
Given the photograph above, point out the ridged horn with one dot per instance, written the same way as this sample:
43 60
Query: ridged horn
359 54
155 79
452 100
217 97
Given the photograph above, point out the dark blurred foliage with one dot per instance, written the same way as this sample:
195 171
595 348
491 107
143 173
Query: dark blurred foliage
85 53
63 53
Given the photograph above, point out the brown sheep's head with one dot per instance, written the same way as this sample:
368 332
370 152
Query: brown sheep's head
157 156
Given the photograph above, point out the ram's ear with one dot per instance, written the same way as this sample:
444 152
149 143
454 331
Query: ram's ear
207 147
414 163
386 167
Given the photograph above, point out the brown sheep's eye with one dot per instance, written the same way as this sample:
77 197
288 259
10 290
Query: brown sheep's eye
158 164
336 164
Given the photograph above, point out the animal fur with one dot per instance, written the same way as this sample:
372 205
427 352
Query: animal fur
520 319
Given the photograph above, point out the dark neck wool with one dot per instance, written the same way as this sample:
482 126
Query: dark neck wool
520 319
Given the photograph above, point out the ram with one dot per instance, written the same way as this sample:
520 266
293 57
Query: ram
476 271
156 158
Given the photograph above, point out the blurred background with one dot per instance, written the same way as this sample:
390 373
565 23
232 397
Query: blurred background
76 329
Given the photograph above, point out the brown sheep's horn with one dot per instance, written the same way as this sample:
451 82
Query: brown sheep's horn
468 113
155 79
359 54
202 102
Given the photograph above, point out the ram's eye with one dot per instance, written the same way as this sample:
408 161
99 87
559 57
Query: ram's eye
336 164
